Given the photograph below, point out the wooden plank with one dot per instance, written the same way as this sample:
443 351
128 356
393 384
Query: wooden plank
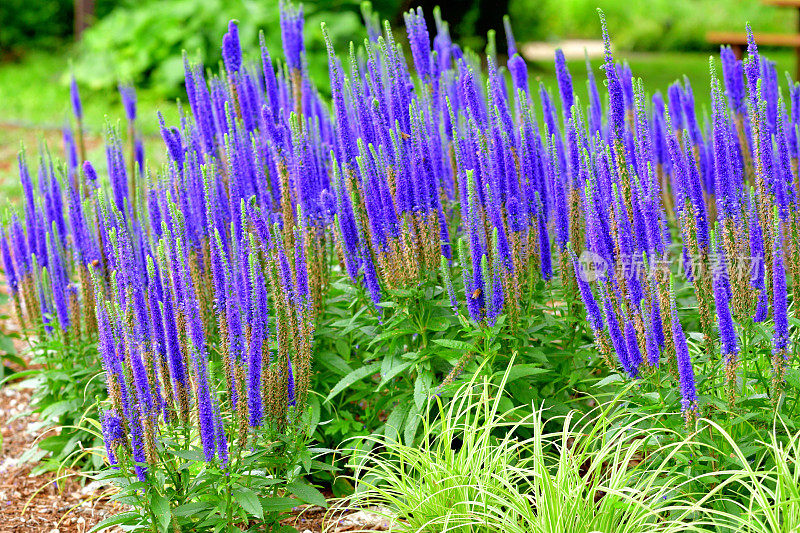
782 3
762 39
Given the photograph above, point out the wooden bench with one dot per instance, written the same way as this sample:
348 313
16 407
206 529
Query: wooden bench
738 40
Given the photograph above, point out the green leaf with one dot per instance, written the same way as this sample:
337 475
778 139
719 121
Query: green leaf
793 377
422 387
413 420
160 507
191 508
354 376
521 371
343 348
248 500
307 493
388 373
334 362
195 454
454 344
54 444
131 517
439 323
608 380
393 332
396 420
277 504
313 406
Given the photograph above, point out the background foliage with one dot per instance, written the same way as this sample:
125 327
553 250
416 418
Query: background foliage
652 25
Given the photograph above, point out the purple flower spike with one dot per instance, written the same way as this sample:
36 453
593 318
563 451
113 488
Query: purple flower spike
221 438
632 346
292 34
685 370
564 84
420 42
75 96
780 342
617 339
751 68
734 79
519 73
615 96
727 331
128 94
370 276
593 313
254 357
290 392
512 43
89 172
231 49
112 432
8 263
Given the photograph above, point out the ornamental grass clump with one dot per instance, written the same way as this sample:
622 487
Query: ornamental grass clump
485 469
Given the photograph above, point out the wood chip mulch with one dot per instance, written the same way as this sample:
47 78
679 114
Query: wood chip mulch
34 504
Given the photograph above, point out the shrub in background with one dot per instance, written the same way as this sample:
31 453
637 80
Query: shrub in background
143 42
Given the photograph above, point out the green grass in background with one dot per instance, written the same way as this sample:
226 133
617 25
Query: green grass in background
35 107
646 25
33 92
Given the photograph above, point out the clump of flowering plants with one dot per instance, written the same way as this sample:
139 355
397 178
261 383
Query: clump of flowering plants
423 219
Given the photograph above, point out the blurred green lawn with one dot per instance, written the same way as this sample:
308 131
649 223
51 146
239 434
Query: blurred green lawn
35 107
34 101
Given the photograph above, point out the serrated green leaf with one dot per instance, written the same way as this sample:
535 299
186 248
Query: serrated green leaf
195 454
793 377
422 387
248 500
392 372
160 507
396 420
413 420
454 344
191 508
307 493
278 504
521 371
608 380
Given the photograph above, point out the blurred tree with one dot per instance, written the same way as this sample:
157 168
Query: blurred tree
84 11
40 23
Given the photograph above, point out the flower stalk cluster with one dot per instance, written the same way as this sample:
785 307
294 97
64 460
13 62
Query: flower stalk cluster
202 281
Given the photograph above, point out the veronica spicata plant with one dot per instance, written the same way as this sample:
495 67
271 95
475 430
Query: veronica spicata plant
428 215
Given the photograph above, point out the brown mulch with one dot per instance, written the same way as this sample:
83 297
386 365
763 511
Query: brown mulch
50 502
34 504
